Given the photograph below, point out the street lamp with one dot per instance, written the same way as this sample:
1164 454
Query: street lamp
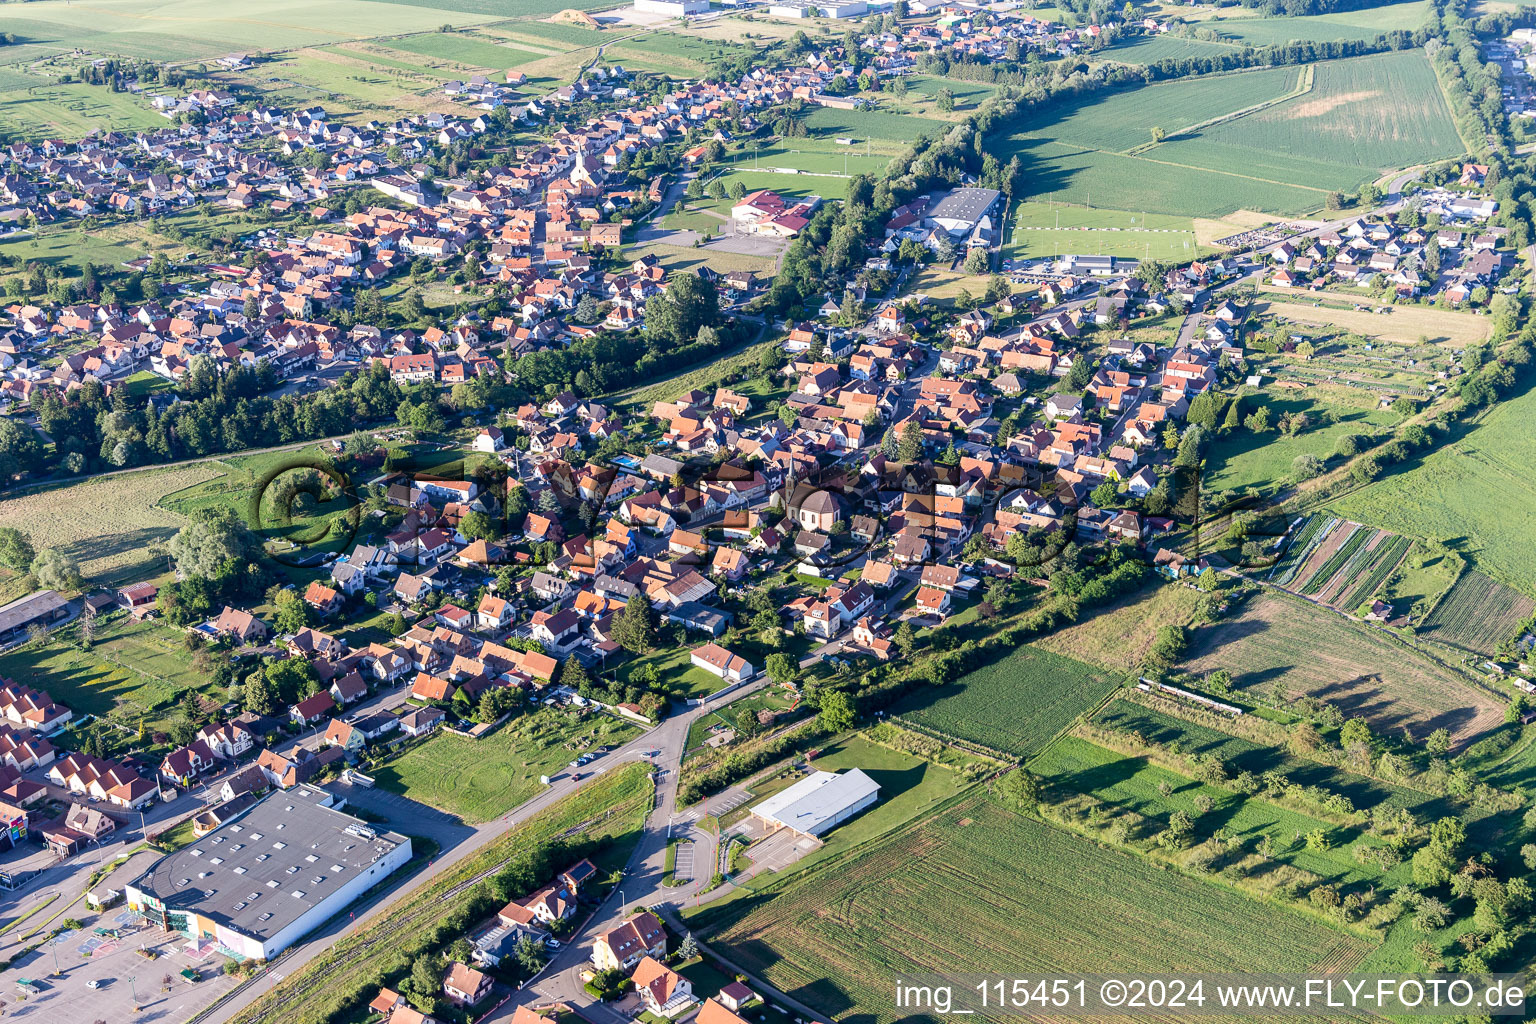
135 991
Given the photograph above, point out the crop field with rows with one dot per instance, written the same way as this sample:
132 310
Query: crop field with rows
978 888
1014 705
1276 640
1477 615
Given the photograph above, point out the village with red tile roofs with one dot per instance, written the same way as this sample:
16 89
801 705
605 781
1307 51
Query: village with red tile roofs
704 509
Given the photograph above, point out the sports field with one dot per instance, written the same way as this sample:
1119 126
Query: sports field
1477 491
479 779
179 30
1057 229
978 888
1013 705
1275 140
1287 642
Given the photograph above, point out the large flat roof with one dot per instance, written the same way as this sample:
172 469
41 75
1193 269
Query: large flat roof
267 869
817 798
967 204
28 609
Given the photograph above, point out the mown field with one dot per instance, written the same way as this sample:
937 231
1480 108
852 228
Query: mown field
1278 641
1013 705
179 30
1119 635
1150 49
133 671
1477 493
479 779
1240 755
1477 615
1362 24
72 111
469 50
106 523
1273 140
978 888
1240 459
872 124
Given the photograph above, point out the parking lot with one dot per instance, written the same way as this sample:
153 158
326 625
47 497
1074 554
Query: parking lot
107 951
682 864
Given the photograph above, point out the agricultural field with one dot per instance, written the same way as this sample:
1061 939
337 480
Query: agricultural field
352 85
1275 643
952 881
107 523
1119 635
1151 49
1013 705
178 30
1362 24
1477 491
469 50
1348 565
1477 615
1075 765
1407 325
479 779
1266 140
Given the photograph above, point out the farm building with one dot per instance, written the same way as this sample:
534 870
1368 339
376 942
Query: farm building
40 609
818 802
258 885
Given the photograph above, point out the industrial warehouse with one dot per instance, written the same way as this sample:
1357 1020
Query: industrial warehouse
259 884
818 802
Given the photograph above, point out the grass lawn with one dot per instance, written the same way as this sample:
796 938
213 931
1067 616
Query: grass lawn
817 155
1477 490
675 671
1076 765
146 383
1241 459
134 669
769 698
479 779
